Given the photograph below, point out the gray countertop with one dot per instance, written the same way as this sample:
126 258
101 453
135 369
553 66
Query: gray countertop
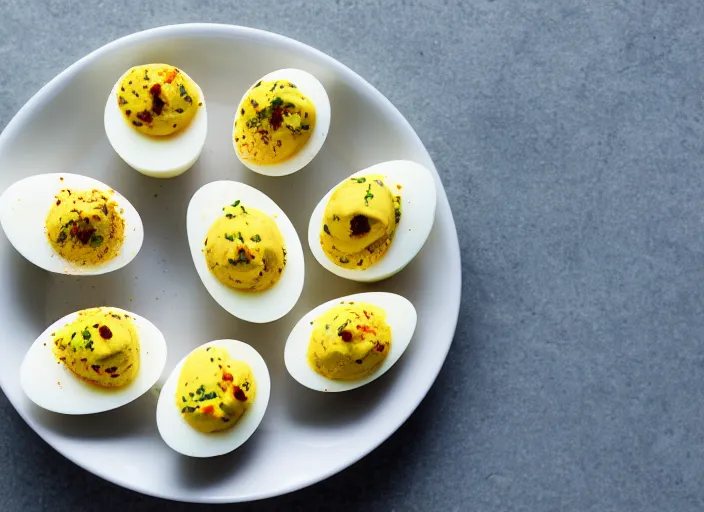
569 137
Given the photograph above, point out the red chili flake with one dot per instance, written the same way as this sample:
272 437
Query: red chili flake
58 202
379 347
239 394
105 332
114 375
208 409
145 116
157 102
346 336
170 76
277 118
227 376
112 369
96 368
83 359
366 328
74 229
128 112
84 235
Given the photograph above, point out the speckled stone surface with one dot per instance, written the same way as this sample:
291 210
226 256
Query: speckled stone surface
569 136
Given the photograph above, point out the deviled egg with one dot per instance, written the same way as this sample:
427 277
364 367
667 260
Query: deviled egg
214 399
156 120
372 224
351 341
71 224
246 251
92 361
281 122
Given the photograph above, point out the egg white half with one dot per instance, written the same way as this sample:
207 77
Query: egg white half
314 91
400 315
25 205
418 202
52 386
204 209
181 437
158 157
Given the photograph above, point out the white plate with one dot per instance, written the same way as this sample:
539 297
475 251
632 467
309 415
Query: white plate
307 436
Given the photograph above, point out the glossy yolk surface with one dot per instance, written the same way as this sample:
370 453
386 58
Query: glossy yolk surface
274 122
158 99
349 341
214 390
359 222
101 347
85 226
244 249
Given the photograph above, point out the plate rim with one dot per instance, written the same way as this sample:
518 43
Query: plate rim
56 84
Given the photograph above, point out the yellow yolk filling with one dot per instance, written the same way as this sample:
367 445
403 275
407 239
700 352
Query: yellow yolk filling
275 121
214 390
349 341
85 226
359 222
101 347
244 249
158 99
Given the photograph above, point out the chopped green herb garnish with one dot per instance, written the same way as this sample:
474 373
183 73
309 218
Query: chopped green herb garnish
207 396
190 394
243 210
256 238
182 90
239 235
229 216
369 195
222 406
277 102
96 241
335 217
73 335
344 259
305 127
89 345
86 334
253 122
274 87
327 327
359 180
326 229
245 385
236 204
229 237
342 327
183 399
188 409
